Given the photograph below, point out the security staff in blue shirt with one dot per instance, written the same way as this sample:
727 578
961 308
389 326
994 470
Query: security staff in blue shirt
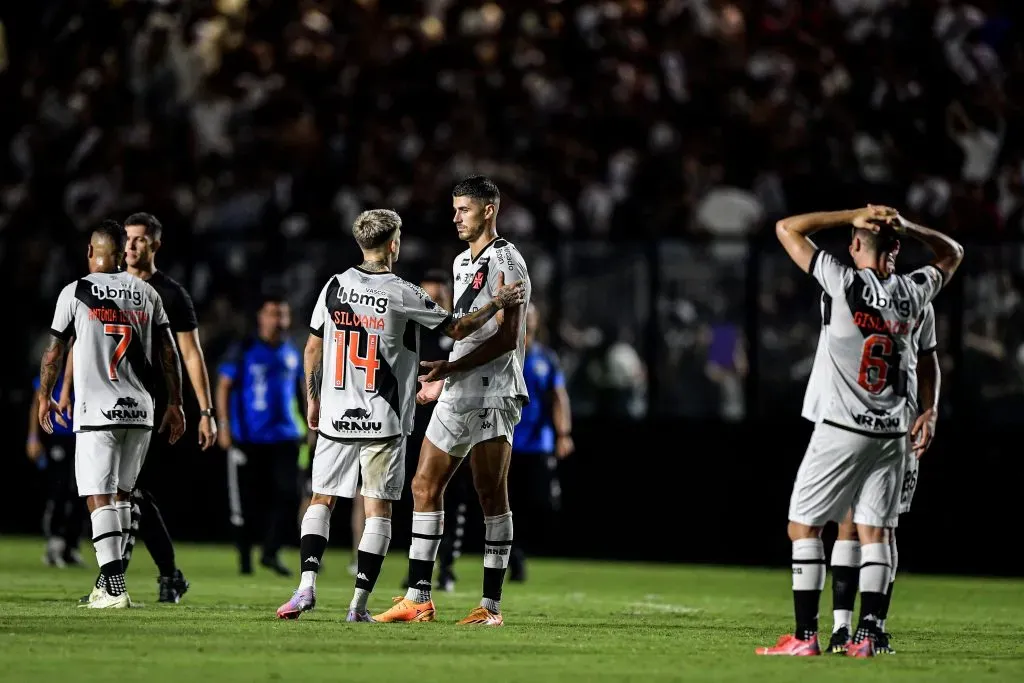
55 455
258 385
542 437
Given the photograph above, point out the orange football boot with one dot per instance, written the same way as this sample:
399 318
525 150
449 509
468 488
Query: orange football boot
407 610
481 616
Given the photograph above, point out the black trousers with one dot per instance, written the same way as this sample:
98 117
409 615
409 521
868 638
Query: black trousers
263 496
64 516
535 497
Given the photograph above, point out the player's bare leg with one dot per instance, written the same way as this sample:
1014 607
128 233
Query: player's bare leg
107 540
808 582
433 472
374 539
490 461
845 580
315 530
875 570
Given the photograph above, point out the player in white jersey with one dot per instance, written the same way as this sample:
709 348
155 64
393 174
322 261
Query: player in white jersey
114 318
362 361
476 413
855 458
923 380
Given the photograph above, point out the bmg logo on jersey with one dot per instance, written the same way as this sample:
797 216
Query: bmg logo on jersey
879 301
379 303
356 420
125 408
104 292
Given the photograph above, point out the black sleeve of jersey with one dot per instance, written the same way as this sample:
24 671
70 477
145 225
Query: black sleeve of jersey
181 311
65 335
317 331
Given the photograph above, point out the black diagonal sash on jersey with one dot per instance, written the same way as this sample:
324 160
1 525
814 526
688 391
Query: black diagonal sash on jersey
897 376
135 354
465 303
387 383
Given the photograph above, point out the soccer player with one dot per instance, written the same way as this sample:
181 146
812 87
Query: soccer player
855 457
477 411
924 379
145 236
115 318
361 361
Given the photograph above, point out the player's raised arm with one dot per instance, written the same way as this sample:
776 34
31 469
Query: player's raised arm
794 232
948 252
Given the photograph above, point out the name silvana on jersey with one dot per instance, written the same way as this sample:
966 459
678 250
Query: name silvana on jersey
103 293
125 408
378 300
356 420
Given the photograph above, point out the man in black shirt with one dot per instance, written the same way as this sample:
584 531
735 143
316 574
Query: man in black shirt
144 235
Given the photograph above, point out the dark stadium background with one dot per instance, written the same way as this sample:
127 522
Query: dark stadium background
644 150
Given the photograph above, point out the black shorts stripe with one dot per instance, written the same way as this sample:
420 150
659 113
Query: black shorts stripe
873 435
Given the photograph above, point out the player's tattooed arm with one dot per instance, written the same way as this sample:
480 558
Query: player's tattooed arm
507 296
314 381
313 364
170 365
50 367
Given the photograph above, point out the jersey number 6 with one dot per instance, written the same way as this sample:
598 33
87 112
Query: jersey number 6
125 333
876 347
346 344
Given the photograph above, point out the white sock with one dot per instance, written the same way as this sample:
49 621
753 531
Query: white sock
427 529
313 535
124 516
373 547
106 539
845 554
497 550
874 568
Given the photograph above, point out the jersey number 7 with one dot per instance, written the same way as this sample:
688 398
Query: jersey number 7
125 333
346 344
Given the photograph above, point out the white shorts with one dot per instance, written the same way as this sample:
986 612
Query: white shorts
456 433
843 470
337 466
109 459
909 487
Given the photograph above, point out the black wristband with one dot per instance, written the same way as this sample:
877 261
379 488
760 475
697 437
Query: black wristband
207 413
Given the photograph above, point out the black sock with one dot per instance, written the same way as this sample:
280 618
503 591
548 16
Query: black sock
157 538
311 551
883 611
101 581
844 587
870 606
113 574
369 565
420 573
805 608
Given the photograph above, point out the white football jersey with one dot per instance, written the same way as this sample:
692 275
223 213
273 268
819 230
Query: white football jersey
370 326
923 339
114 318
499 383
861 375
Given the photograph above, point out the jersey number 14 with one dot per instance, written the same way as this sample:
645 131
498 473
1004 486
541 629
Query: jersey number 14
346 345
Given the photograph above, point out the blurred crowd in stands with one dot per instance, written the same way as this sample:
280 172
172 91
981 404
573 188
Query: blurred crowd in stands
257 129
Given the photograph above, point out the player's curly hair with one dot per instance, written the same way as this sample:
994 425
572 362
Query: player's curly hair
372 229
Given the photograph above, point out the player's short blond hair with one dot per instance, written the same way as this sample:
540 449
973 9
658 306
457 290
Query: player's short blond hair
372 229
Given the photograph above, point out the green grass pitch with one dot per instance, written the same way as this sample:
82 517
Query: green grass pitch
572 621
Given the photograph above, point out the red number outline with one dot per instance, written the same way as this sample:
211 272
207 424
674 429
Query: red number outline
370 363
870 359
125 333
